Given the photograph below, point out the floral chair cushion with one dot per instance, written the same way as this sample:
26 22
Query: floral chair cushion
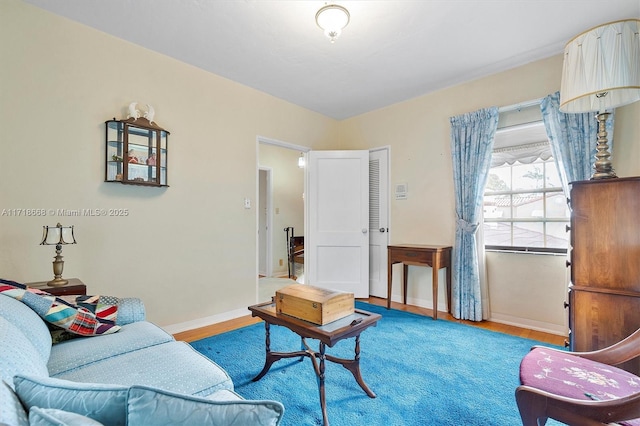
575 377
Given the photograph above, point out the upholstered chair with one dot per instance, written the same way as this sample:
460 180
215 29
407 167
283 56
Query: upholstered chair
580 388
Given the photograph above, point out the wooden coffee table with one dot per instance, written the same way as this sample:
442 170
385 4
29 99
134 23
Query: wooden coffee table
328 335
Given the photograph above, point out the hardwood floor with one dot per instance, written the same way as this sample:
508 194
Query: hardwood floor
200 333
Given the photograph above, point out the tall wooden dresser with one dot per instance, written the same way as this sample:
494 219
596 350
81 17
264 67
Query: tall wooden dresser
604 295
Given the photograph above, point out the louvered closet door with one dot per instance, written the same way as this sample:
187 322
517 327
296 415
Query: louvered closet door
378 221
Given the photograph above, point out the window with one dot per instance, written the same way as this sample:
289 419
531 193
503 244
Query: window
524 206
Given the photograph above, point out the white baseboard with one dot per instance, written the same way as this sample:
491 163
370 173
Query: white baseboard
545 327
423 303
442 307
206 321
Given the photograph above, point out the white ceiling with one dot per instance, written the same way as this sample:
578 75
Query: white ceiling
390 52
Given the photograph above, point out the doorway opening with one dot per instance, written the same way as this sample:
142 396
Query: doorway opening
265 235
280 206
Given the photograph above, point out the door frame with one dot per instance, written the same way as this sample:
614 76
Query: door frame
275 142
269 220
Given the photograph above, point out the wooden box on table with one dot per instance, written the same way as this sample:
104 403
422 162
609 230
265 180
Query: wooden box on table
316 305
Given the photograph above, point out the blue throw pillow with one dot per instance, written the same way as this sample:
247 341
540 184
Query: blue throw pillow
52 417
11 410
106 404
158 407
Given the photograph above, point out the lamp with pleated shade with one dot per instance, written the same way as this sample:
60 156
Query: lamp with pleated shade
601 71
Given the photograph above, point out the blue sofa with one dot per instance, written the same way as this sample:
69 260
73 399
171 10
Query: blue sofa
139 375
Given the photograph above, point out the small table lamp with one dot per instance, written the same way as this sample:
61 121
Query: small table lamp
57 235
601 71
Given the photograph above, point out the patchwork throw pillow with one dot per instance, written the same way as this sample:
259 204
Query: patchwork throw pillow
91 318
104 307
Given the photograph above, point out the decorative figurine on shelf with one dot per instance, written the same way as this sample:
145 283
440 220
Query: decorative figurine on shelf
151 161
149 113
133 112
132 158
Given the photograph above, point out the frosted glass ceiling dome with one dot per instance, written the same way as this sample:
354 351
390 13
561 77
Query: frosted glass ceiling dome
332 18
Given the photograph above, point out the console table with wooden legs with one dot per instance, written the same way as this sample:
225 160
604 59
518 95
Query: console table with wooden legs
328 335
435 256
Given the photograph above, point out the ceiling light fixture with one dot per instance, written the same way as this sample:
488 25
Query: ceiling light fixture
332 18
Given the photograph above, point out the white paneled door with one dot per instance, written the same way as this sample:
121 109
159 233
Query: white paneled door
337 209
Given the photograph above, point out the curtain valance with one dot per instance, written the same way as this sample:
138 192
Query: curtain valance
525 154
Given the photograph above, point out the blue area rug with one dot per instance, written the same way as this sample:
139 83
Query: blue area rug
424 372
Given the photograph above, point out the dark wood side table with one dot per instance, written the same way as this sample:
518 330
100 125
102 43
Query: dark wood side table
75 286
435 256
328 335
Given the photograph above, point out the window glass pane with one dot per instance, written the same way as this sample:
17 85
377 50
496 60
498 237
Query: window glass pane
528 176
497 206
557 206
497 234
502 204
528 234
553 178
557 235
528 206
525 206
499 179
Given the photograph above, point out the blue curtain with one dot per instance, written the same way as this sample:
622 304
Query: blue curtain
472 137
573 139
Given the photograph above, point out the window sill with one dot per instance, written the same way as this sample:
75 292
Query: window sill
527 250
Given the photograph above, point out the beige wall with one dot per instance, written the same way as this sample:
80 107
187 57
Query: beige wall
626 153
194 241
188 250
418 132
